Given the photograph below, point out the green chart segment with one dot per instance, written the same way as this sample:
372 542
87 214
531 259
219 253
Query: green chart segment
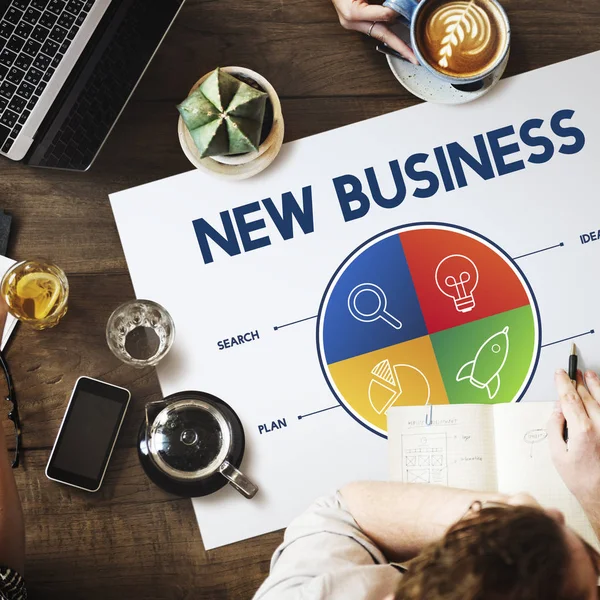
498 372
427 314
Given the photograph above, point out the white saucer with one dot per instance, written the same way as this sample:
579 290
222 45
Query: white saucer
420 82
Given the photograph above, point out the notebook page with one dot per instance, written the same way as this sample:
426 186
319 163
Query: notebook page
457 449
524 463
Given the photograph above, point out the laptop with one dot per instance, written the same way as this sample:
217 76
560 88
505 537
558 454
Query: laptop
67 70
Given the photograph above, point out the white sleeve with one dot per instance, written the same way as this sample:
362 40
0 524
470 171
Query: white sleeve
325 555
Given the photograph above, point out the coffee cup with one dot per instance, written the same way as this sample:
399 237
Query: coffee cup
461 42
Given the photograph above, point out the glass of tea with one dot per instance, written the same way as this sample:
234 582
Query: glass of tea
140 333
36 292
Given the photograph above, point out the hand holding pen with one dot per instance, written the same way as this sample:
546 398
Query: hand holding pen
578 463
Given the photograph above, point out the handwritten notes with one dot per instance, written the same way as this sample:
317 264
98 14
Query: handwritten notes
501 447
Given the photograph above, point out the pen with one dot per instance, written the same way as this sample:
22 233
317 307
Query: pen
573 364
573 377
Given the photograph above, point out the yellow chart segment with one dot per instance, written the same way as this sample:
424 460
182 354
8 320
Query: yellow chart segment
402 375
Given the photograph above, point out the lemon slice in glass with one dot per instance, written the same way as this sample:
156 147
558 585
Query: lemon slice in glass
39 293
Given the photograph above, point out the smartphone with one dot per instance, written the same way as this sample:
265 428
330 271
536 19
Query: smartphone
88 434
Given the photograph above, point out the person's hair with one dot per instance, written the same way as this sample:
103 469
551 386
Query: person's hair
499 553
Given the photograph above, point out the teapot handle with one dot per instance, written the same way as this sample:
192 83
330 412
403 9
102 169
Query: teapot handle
238 480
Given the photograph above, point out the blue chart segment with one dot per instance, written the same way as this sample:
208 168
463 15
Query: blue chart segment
427 313
370 299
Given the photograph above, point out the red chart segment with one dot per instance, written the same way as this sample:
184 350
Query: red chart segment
458 278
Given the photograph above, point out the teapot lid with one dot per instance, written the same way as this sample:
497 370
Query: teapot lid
189 439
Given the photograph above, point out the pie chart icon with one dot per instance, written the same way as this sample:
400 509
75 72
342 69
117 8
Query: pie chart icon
385 387
393 327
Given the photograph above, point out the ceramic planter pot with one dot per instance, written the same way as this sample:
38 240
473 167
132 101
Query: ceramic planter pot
241 166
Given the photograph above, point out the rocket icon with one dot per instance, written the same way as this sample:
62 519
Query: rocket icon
483 371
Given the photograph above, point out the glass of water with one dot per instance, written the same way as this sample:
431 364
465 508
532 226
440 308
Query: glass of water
140 333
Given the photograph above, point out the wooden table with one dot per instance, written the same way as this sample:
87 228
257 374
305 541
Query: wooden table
131 540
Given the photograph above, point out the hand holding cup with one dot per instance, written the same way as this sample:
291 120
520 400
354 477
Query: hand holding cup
373 20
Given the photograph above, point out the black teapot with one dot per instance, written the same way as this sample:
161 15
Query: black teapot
191 444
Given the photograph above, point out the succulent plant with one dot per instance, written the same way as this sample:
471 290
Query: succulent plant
224 115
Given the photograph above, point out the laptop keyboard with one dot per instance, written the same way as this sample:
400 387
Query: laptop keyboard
34 36
87 114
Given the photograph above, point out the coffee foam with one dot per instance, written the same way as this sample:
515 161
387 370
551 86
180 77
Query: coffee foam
462 38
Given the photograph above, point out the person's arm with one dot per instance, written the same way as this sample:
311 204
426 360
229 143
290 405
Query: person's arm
578 460
12 529
401 518
326 556
341 547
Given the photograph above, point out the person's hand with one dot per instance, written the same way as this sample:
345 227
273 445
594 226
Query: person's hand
578 460
359 15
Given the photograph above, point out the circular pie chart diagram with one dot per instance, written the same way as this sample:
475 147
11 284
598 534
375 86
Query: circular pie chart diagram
427 313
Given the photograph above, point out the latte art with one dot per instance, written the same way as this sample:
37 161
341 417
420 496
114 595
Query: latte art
461 38
467 30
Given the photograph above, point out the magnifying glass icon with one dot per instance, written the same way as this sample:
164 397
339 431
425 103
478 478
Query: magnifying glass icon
367 302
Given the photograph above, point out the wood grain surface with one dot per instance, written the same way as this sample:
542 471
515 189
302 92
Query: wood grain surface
131 540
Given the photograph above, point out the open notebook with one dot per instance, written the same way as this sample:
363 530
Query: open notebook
500 447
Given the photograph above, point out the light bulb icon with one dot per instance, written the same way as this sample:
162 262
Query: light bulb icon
456 277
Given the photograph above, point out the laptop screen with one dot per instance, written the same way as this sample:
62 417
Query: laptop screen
67 69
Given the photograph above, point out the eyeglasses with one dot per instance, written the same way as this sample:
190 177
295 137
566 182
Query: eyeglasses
479 505
13 413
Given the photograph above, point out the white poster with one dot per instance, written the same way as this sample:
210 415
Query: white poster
438 254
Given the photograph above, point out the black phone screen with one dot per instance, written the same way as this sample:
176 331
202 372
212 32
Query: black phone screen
88 433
